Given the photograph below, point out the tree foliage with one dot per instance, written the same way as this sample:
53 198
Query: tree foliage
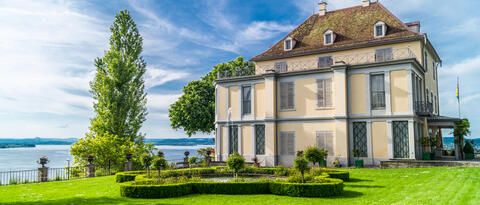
119 98
194 111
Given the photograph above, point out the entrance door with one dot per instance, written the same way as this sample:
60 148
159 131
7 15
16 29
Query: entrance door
400 139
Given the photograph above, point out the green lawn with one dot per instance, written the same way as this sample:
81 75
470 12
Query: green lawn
368 186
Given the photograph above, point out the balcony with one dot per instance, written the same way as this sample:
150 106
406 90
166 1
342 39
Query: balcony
381 55
423 108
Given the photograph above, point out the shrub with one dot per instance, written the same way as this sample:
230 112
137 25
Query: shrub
192 161
314 154
468 148
301 164
236 162
187 172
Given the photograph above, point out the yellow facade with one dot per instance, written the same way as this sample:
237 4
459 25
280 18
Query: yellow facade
234 101
247 140
222 102
305 133
260 103
358 94
305 101
379 139
399 91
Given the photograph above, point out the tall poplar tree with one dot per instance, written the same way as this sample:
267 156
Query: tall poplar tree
120 99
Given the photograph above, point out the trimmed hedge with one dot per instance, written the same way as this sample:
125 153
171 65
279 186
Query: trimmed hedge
332 188
344 176
155 191
329 187
127 176
187 172
233 188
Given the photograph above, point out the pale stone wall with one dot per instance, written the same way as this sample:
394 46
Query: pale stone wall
399 91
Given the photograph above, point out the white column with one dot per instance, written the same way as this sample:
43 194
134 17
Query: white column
388 104
369 142
240 140
411 139
389 139
410 93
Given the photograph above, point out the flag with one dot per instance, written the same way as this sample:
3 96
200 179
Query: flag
457 94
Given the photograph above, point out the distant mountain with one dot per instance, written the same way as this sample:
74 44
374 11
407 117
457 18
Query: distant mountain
69 141
449 140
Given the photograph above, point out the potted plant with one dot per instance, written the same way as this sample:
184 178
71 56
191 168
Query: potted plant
468 150
426 144
314 154
358 162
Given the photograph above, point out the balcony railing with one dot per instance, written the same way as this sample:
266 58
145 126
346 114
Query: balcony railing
352 59
423 108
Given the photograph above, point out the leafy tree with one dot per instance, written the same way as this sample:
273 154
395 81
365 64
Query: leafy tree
314 154
301 165
462 129
119 97
236 162
194 111
192 161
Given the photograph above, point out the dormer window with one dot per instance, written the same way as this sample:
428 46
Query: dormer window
288 44
380 29
328 37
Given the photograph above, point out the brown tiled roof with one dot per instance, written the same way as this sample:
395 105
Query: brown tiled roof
353 27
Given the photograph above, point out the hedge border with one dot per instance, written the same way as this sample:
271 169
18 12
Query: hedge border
127 176
331 187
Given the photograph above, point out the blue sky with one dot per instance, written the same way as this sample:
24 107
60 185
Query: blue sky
47 50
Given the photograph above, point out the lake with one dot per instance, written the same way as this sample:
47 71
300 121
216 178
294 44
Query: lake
26 158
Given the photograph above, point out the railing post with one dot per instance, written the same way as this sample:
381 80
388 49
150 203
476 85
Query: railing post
90 167
43 174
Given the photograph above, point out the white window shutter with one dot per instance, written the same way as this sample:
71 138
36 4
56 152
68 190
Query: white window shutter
291 96
320 93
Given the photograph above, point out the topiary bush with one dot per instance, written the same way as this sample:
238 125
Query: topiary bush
236 162
332 173
231 188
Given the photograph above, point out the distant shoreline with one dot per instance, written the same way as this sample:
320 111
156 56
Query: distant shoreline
7 146
32 142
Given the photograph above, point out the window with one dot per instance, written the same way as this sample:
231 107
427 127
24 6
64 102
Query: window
281 67
380 29
434 70
360 138
325 62
288 44
233 139
287 143
425 61
287 96
325 141
260 139
377 89
246 100
328 37
324 93
435 104
384 54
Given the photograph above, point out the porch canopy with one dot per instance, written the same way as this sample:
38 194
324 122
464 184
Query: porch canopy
436 124
442 122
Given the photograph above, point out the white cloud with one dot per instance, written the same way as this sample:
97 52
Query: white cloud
155 76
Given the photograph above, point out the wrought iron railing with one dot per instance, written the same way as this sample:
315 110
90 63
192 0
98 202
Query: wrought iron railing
53 174
423 108
351 59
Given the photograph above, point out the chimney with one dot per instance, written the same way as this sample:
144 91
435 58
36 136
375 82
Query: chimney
414 26
322 8
365 3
